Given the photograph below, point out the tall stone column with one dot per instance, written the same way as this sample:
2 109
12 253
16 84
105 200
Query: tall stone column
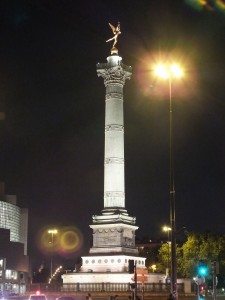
114 230
114 74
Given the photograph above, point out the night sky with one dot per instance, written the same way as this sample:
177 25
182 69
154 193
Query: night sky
52 139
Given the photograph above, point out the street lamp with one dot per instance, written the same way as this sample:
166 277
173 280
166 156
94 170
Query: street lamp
167 229
52 232
169 72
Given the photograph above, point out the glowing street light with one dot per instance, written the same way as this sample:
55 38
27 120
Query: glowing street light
170 72
167 229
173 70
52 232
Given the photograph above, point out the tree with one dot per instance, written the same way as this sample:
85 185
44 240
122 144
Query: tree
164 258
190 255
206 246
199 246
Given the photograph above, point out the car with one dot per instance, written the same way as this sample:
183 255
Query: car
37 296
65 298
2 296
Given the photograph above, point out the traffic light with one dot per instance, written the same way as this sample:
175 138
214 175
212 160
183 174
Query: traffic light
202 268
131 266
215 267
202 289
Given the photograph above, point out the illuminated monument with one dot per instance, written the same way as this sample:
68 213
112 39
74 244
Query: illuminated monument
113 229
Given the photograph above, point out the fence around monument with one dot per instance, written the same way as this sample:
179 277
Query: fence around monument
118 287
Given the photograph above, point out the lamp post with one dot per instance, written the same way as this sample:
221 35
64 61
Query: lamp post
167 229
52 232
169 72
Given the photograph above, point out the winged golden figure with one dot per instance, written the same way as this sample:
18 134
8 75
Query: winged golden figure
116 31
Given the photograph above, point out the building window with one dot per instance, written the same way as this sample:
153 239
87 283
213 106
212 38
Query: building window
12 275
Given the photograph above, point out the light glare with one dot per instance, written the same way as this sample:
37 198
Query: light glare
176 70
166 228
168 71
53 231
161 71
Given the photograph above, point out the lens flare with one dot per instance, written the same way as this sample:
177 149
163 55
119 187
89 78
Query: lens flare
66 241
161 71
207 4
47 242
71 240
176 70
220 5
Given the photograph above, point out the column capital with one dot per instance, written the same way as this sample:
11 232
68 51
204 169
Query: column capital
114 72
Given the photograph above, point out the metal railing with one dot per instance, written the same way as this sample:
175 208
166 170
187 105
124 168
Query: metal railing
118 287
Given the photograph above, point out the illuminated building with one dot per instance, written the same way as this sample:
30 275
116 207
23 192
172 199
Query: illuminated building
14 262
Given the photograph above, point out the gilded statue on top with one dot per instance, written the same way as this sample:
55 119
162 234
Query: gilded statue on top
116 31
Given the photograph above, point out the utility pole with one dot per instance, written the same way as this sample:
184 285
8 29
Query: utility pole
215 271
135 280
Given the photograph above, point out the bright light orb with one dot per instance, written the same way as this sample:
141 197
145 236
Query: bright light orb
166 228
168 71
46 243
161 71
53 231
176 70
66 242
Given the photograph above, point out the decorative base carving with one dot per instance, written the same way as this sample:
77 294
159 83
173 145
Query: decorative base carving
113 235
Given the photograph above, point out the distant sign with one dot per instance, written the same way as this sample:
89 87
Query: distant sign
199 280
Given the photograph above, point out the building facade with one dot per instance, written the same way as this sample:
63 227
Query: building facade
14 262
